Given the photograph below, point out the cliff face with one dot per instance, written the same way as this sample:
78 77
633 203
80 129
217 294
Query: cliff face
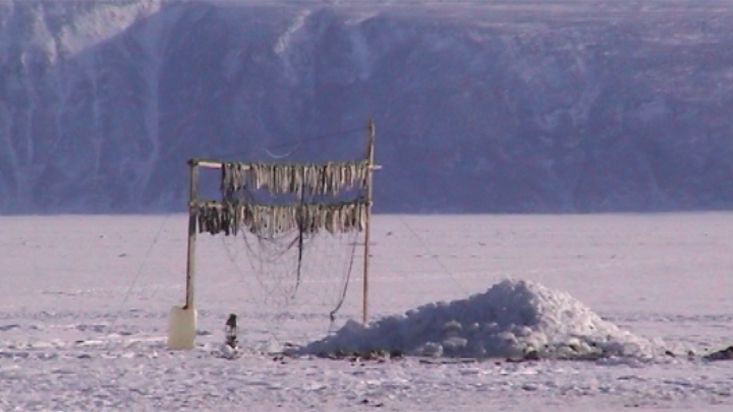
573 106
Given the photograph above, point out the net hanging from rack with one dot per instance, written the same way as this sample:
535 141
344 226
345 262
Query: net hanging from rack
299 225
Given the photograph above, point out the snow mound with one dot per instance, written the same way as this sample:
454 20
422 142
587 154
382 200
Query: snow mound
515 319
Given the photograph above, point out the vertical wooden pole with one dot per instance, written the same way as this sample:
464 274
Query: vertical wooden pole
190 257
370 163
301 229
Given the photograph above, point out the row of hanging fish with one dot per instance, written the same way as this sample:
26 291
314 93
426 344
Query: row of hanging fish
314 179
267 221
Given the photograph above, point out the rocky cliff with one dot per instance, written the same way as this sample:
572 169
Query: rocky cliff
500 106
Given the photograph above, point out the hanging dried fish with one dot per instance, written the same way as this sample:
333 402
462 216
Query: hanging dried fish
268 221
322 179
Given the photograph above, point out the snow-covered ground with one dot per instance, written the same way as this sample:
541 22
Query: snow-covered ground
85 300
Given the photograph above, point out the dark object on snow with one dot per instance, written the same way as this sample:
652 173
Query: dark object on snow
366 401
230 331
531 355
725 354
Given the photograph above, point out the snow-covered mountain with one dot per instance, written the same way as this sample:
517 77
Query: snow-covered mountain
479 106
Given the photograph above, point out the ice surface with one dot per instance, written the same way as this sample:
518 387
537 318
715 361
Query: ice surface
84 305
511 319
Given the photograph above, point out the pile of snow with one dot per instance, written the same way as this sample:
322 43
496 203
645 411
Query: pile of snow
515 319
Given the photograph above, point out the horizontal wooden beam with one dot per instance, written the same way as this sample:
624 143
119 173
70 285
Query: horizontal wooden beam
202 203
210 164
216 164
